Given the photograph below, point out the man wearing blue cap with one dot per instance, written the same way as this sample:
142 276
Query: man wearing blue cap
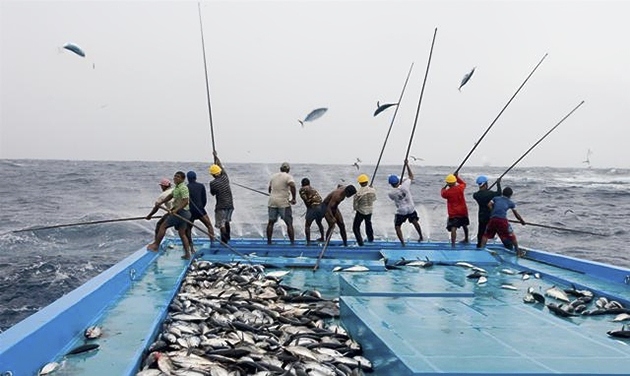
405 209
483 196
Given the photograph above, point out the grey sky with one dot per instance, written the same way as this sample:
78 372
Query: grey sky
139 94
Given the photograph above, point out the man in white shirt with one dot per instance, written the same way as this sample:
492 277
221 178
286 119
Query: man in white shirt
165 184
282 195
363 205
405 209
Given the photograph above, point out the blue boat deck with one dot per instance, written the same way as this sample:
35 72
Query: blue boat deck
410 320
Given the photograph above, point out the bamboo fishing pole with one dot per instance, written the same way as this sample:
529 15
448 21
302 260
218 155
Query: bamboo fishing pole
499 115
415 122
205 69
391 124
537 142
80 224
251 189
558 228
205 231
321 254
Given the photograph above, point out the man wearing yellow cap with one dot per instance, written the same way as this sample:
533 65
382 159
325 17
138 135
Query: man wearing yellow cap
220 187
453 192
363 205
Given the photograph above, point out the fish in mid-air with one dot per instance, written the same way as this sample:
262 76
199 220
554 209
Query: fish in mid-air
313 115
382 107
74 48
466 78
356 164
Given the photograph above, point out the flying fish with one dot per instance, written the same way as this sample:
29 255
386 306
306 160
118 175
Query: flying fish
313 115
466 78
74 48
382 107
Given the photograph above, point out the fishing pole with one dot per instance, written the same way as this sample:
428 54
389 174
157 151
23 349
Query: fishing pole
558 228
205 231
321 254
79 224
537 142
499 115
205 69
251 189
391 124
415 122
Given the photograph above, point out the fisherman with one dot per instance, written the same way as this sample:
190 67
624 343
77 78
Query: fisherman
198 201
220 187
165 185
499 225
363 205
281 196
456 207
483 196
314 210
405 209
179 214
331 210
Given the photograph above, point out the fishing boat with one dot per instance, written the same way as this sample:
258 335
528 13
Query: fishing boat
414 310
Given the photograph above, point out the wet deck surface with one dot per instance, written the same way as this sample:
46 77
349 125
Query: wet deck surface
410 320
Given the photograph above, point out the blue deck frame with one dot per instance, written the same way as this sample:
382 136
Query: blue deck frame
410 320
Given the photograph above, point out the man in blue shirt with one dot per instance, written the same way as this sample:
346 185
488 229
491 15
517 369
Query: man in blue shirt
499 225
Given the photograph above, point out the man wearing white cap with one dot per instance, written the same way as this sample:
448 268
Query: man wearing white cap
165 184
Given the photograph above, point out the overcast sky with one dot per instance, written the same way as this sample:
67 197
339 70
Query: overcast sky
140 93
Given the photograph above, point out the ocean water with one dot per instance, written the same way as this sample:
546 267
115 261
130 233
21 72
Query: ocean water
37 267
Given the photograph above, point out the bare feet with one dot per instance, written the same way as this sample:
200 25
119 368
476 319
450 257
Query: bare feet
152 247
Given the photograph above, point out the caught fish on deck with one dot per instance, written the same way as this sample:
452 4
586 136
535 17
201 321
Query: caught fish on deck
49 368
93 332
83 348
557 293
313 115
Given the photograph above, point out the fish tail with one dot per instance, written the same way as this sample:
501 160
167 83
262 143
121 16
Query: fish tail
302 123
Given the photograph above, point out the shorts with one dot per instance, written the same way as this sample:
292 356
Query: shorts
175 221
285 213
399 219
456 222
501 227
196 215
222 216
315 213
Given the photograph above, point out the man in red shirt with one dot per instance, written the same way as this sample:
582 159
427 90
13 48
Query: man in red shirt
453 192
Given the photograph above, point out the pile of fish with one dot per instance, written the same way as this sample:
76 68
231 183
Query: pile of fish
235 319
562 305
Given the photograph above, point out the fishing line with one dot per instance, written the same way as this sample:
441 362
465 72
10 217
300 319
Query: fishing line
205 231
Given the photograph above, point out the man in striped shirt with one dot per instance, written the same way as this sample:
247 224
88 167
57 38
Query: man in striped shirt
220 187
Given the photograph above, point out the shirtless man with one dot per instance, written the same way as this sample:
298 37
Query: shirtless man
332 213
